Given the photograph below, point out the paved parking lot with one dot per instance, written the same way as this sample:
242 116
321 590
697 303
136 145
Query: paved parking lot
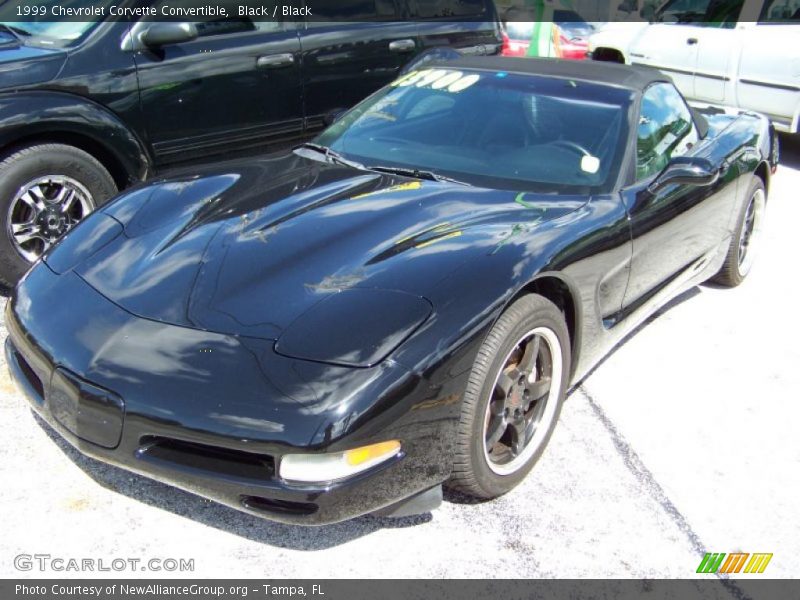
683 441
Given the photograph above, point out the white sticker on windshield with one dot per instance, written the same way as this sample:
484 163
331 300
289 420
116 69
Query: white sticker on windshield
431 76
409 79
451 77
590 164
463 83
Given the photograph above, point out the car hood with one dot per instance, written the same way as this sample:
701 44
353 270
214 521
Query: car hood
22 65
245 250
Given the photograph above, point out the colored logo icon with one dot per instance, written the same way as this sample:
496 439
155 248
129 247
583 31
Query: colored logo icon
734 563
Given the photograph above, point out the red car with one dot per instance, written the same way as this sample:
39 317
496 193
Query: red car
573 40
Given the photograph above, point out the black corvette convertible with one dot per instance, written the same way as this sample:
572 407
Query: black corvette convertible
400 304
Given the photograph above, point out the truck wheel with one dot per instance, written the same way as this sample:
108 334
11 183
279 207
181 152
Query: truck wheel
45 190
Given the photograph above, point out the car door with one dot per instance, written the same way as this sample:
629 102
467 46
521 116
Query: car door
236 86
351 48
675 229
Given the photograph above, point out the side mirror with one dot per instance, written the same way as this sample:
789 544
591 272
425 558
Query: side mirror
163 34
685 170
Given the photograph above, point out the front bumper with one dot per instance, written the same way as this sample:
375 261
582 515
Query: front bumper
213 414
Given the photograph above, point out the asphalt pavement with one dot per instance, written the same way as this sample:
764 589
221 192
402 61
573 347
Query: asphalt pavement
683 441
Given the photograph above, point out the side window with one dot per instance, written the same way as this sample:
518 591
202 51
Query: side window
703 13
218 24
780 11
666 129
353 10
429 9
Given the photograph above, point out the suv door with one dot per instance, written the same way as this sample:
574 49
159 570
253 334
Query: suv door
236 86
350 49
471 26
676 228
693 41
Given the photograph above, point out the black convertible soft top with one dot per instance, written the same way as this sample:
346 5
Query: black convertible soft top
631 77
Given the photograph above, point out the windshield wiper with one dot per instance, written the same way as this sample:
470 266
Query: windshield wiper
331 155
417 174
17 32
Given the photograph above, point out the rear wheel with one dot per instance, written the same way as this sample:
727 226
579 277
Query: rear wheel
745 239
45 190
513 398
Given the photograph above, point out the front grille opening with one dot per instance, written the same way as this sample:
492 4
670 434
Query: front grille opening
273 505
181 454
31 377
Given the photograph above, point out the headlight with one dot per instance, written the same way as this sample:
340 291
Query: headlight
321 468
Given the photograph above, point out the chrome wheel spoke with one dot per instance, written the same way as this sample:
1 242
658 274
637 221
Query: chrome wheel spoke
35 203
65 199
25 232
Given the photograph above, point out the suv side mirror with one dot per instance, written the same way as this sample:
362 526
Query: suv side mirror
163 34
685 170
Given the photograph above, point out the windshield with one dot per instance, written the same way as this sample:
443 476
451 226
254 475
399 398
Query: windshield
499 130
44 27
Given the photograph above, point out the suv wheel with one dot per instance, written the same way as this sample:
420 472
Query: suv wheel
45 190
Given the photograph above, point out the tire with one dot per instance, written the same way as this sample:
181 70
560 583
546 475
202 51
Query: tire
485 468
45 169
746 235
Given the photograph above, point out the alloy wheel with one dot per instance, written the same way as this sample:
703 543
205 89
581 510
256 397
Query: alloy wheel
43 210
751 231
524 401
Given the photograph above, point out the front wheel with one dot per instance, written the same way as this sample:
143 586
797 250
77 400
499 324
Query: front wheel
45 190
513 398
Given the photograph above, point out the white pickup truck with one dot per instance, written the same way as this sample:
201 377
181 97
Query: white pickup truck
737 53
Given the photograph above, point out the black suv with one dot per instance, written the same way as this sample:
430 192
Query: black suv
88 108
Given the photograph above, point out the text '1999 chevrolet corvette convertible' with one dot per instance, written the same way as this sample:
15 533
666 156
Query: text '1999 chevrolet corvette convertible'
402 303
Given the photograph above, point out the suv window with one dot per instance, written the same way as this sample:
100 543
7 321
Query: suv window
355 10
780 11
219 25
713 13
428 9
666 129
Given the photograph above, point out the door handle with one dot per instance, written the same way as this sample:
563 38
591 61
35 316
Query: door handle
691 41
275 61
402 46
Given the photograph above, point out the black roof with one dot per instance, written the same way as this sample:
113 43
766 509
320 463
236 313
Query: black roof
626 76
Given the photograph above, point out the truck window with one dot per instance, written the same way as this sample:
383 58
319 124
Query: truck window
702 13
780 11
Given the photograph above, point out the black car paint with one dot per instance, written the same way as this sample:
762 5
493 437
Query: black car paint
202 372
140 110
